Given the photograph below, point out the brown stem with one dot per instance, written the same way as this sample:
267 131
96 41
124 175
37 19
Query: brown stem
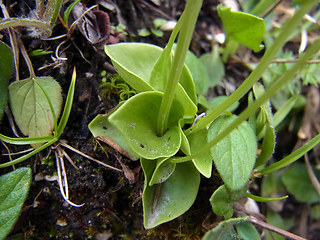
313 178
26 58
274 229
294 60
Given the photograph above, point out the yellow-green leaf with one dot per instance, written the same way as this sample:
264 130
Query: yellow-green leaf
14 188
243 28
136 120
29 102
235 155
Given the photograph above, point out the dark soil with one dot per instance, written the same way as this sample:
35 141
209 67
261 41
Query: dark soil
113 206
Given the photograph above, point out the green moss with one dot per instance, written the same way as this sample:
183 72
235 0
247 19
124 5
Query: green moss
49 161
115 85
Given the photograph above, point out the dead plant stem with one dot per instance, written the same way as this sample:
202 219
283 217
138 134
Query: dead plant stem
294 60
88 157
26 58
274 229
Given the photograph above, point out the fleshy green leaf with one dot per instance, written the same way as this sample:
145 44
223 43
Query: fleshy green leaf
144 32
261 120
243 28
136 64
102 128
163 171
185 146
185 92
136 120
5 70
225 230
221 203
315 212
223 198
247 231
297 182
235 155
170 199
268 145
203 162
188 79
158 22
198 72
30 106
14 188
157 32
214 66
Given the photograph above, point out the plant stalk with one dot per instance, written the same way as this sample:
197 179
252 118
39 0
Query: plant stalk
265 225
192 11
270 54
25 157
67 107
291 157
26 59
25 22
256 104
24 141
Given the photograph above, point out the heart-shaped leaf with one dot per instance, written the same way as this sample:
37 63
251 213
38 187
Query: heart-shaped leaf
14 188
185 92
141 66
203 162
102 128
158 78
223 198
247 231
30 106
5 73
235 155
221 203
170 199
136 119
134 62
243 28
